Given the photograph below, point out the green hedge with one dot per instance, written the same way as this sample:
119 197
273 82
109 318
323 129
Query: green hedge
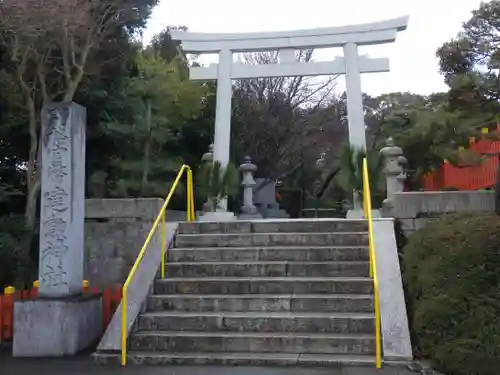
13 262
452 276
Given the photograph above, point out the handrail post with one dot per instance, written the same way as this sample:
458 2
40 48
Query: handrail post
191 193
193 208
188 196
163 245
160 220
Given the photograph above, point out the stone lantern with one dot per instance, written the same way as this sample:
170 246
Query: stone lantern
248 210
394 169
208 157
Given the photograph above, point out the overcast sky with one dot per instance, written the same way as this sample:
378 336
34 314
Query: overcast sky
414 66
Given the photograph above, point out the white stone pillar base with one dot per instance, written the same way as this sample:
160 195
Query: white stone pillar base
360 214
217 216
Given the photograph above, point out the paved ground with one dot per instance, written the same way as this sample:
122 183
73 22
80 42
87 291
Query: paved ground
83 365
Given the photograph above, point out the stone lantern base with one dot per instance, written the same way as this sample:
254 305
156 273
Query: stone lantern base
247 216
217 216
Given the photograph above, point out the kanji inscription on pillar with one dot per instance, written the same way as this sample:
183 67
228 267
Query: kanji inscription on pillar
62 200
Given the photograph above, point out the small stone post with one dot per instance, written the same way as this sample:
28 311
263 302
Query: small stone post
394 169
249 211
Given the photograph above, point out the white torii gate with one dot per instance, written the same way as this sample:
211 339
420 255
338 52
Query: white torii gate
286 42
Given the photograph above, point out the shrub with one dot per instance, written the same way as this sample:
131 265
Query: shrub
216 182
13 262
452 275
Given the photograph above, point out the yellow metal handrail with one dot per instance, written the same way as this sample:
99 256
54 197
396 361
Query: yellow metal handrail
161 216
373 261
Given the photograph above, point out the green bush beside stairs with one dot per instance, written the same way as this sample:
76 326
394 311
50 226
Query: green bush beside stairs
452 275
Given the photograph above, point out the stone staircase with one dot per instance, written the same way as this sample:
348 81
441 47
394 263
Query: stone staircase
261 293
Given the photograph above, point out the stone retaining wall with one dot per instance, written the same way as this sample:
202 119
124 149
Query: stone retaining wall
115 231
418 209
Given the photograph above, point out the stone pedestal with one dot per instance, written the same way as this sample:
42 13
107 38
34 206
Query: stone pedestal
264 196
217 216
357 211
360 214
276 213
56 327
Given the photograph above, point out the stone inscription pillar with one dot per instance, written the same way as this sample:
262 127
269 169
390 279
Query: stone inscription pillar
62 200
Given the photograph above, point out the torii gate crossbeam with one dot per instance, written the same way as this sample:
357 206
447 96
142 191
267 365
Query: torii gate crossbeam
352 65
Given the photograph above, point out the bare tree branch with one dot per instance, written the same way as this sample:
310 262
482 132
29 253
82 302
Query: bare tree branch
50 43
284 123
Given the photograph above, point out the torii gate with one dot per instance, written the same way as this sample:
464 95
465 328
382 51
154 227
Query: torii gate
286 42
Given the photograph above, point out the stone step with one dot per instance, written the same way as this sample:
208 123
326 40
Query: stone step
272 239
265 285
275 226
258 322
276 253
268 268
259 342
262 302
233 359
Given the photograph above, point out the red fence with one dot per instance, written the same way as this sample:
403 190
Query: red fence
479 176
111 297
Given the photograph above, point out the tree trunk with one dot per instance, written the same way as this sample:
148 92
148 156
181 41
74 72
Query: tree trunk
73 86
32 174
147 150
33 185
